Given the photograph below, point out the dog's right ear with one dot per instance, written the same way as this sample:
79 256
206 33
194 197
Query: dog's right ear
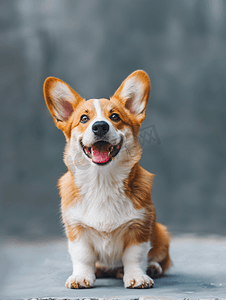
133 94
61 100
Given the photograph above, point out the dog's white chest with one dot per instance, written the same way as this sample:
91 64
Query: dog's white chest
104 215
104 205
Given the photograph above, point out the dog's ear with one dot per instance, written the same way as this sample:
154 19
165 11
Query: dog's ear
61 100
134 93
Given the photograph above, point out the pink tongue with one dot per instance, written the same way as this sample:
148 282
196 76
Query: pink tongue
100 156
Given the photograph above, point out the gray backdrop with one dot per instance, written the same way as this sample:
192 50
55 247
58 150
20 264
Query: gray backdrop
93 45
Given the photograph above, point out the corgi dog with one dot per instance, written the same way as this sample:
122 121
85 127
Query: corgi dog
106 203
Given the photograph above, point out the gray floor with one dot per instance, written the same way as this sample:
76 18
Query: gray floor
39 269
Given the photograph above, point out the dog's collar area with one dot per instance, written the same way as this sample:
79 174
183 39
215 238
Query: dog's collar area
101 152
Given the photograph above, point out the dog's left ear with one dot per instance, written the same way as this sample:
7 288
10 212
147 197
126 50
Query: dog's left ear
134 93
61 100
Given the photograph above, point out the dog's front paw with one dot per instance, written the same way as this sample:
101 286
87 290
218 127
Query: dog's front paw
80 282
138 282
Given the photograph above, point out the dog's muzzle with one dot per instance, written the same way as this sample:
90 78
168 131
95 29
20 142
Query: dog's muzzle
102 152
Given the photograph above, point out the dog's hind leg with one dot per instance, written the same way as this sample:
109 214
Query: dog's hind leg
158 257
109 273
101 271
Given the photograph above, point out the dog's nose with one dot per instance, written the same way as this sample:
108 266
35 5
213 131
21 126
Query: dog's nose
100 128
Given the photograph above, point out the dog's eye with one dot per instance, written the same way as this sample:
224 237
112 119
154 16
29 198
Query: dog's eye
84 119
115 117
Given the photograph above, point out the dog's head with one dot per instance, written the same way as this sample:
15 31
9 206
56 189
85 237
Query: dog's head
99 131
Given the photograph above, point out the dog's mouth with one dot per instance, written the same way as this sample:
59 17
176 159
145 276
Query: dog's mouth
102 152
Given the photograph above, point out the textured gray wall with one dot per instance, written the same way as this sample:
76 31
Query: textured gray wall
93 45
